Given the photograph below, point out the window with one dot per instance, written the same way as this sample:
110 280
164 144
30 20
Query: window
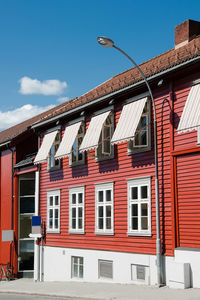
78 157
198 136
105 149
53 163
139 206
142 140
76 210
104 208
105 269
140 273
77 267
53 211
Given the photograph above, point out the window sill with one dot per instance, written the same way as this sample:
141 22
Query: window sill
148 234
103 233
99 159
138 150
77 163
53 231
76 232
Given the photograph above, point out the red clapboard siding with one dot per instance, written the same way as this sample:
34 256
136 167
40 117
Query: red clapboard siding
188 187
119 169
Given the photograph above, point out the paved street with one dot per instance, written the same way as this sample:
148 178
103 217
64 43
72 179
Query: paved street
28 297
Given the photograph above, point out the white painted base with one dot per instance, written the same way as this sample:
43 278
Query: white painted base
57 265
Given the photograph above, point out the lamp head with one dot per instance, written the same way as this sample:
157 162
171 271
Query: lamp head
104 41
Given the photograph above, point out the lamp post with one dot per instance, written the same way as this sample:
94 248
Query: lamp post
106 42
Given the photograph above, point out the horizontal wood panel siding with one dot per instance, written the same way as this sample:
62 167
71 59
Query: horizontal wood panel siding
188 187
118 170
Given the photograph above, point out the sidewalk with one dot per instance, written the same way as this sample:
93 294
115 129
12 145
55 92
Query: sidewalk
100 291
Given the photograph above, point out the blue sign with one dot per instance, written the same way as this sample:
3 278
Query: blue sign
36 220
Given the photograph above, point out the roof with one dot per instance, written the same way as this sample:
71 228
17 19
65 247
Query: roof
28 160
151 67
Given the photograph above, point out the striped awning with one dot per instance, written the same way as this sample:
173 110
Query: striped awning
68 140
47 142
128 121
190 118
91 138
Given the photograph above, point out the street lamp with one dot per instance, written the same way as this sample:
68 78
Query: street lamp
106 42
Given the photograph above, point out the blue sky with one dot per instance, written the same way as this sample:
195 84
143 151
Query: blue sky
42 40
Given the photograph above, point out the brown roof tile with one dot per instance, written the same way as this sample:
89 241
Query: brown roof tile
153 66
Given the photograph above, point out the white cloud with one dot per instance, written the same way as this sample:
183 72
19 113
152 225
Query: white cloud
29 86
18 115
62 99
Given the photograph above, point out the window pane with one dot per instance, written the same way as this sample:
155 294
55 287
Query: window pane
56 213
144 223
144 192
134 210
27 205
27 187
73 198
144 209
134 193
25 226
134 224
108 211
100 211
73 223
75 260
51 201
108 195
100 199
80 212
56 223
73 212
81 272
56 200
80 198
81 260
100 223
108 223
75 270
80 226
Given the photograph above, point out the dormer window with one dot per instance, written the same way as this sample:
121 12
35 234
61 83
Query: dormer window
105 149
78 157
142 139
52 162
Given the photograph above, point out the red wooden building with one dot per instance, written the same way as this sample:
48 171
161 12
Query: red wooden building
92 179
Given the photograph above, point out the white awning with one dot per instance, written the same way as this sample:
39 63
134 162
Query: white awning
68 140
128 121
91 138
45 147
190 118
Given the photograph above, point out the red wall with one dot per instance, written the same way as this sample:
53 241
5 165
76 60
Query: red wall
6 180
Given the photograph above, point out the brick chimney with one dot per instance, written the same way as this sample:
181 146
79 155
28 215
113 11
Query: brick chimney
185 32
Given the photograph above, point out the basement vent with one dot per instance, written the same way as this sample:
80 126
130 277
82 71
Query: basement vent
105 269
140 273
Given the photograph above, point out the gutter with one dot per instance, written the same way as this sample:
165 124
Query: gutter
5 144
104 98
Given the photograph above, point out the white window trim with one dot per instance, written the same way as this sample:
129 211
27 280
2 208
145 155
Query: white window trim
82 161
104 187
72 190
72 268
139 182
49 194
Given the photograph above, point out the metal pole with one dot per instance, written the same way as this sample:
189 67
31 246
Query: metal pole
158 241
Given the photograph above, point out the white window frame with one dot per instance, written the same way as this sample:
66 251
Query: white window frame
78 161
132 148
110 262
79 265
53 193
100 154
198 136
77 190
56 162
139 182
104 187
